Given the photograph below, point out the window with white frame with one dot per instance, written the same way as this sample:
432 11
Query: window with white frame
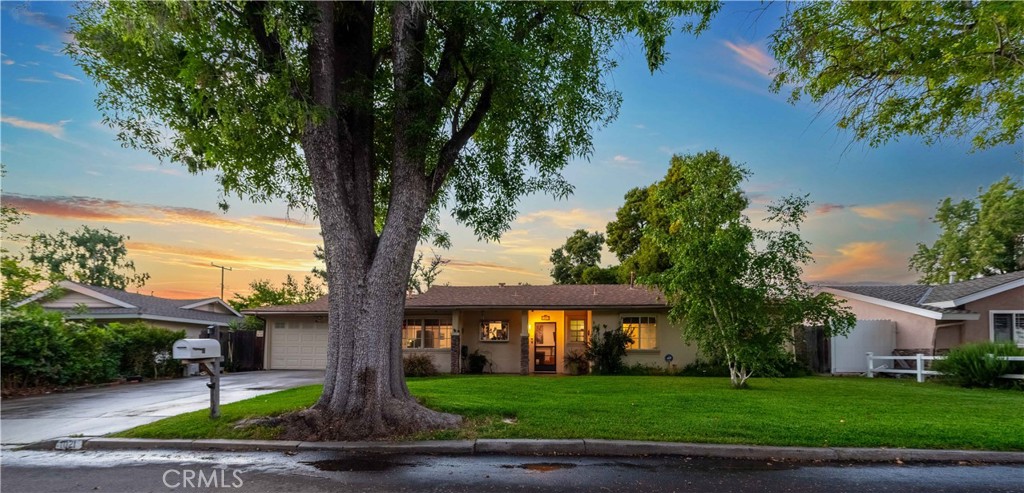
644 330
494 330
427 333
577 330
1008 326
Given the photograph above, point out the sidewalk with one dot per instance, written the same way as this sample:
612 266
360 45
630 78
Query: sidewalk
585 447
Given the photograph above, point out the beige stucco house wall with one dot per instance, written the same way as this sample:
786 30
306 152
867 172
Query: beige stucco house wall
980 330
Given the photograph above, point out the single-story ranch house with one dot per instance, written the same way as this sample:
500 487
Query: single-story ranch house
521 329
82 302
929 319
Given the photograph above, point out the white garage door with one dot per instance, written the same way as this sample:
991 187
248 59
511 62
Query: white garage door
298 346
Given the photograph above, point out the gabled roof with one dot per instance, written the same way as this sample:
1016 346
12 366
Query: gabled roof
960 293
557 297
134 305
941 302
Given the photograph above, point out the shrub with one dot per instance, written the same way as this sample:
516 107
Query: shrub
703 368
419 365
93 355
641 370
576 362
476 362
33 347
606 348
145 350
975 365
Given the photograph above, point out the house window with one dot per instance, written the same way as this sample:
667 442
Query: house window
644 331
280 325
577 330
493 330
427 333
1008 327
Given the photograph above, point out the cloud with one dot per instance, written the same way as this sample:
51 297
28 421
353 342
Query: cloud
624 161
861 261
8 62
893 211
151 168
285 221
55 24
56 130
568 220
641 126
199 257
827 207
753 56
33 80
471 266
117 211
60 75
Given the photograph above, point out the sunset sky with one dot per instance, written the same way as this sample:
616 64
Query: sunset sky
871 205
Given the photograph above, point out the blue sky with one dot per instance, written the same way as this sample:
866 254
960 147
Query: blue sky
872 205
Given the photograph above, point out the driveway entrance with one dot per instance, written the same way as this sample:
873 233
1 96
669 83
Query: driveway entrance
99 411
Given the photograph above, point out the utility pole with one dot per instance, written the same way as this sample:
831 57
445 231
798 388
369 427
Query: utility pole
222 269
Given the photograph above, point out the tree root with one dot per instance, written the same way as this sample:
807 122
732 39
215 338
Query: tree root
399 417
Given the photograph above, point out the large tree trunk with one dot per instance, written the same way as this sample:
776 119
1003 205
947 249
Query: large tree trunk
364 394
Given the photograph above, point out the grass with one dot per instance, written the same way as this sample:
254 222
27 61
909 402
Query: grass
815 411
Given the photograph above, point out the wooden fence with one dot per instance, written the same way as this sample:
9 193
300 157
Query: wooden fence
919 369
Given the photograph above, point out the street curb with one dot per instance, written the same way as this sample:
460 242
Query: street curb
579 447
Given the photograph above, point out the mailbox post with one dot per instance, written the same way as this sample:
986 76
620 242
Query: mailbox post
205 353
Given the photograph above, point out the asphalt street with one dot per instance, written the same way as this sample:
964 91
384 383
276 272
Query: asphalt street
102 410
163 471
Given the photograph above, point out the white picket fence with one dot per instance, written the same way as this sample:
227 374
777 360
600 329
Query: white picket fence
919 370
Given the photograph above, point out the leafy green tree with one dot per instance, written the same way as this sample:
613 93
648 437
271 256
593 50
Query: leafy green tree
262 292
423 275
581 251
980 237
917 68
638 253
735 290
381 114
97 257
19 279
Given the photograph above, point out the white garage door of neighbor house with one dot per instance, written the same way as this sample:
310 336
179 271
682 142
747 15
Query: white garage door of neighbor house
298 346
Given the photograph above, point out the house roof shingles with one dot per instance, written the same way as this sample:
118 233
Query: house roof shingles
920 295
549 296
957 290
151 305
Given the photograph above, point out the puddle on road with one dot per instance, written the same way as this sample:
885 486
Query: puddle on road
542 466
358 465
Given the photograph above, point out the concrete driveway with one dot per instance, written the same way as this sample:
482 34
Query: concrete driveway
99 411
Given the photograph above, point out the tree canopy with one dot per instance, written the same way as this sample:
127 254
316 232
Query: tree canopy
637 251
97 257
735 289
580 252
262 292
380 114
980 237
929 69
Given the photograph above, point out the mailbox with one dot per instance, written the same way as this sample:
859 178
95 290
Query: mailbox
196 349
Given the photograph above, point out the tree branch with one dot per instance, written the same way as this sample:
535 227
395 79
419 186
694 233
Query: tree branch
451 149
273 57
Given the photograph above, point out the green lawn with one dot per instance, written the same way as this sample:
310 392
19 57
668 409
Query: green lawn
817 411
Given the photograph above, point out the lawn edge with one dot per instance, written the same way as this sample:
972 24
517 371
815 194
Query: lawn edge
535 447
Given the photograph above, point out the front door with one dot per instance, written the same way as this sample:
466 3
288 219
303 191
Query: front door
544 346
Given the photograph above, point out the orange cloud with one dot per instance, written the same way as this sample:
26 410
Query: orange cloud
117 211
753 56
568 220
861 261
893 211
198 257
470 266
827 207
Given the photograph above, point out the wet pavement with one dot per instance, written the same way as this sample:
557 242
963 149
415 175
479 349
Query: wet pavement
157 471
103 410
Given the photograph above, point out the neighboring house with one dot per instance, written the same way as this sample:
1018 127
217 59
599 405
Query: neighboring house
521 329
82 302
929 319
